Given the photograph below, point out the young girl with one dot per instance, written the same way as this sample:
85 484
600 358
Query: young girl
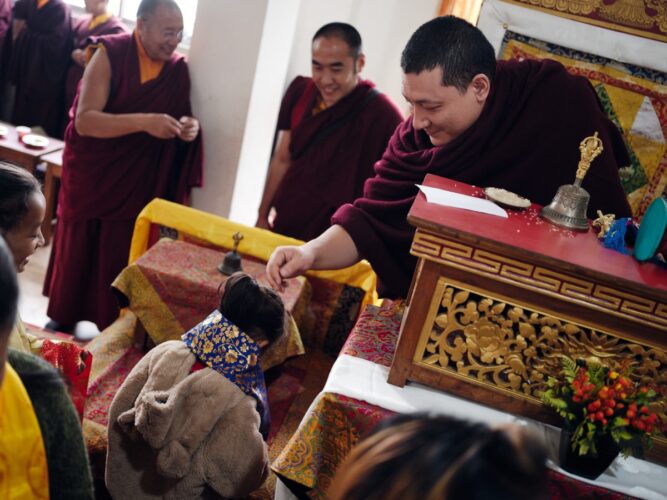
21 214
193 412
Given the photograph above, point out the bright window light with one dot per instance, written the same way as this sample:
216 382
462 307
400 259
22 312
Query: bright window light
127 9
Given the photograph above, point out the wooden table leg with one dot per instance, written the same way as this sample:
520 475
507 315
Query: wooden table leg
50 185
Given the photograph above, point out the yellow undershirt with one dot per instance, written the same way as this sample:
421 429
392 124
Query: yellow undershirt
97 20
41 3
149 69
21 340
24 472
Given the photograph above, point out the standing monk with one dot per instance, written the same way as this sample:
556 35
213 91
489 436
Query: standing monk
97 22
333 128
39 58
131 138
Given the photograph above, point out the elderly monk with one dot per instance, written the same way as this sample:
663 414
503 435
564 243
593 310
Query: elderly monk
333 128
39 59
514 125
97 22
131 138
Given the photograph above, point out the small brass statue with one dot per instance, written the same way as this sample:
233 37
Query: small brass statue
568 208
604 222
232 262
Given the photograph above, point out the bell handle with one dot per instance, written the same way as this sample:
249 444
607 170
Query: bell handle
582 169
590 148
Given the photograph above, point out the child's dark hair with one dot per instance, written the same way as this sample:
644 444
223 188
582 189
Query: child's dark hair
254 308
16 187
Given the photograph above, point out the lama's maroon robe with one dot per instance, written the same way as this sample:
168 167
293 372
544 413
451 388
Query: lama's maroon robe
5 32
81 34
106 182
39 59
526 140
326 172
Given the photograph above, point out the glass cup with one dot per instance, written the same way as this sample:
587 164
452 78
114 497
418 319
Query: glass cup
21 131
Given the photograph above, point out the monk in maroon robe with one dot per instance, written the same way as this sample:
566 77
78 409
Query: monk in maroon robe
5 27
39 59
333 128
5 44
514 125
97 22
130 139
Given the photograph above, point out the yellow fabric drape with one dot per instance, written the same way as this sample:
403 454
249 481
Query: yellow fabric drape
465 9
23 469
97 20
258 243
148 68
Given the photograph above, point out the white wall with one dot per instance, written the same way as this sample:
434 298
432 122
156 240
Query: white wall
280 24
223 58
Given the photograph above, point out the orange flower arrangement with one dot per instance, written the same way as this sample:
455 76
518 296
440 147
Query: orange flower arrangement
596 402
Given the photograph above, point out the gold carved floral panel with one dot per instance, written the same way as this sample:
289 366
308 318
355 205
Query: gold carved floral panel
509 348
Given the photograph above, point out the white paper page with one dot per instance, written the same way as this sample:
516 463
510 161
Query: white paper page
457 200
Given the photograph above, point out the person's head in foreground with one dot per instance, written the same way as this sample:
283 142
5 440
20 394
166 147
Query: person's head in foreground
448 70
337 61
433 458
22 208
256 309
9 295
160 28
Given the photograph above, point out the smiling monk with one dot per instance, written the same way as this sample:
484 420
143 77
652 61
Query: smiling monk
131 138
513 125
333 128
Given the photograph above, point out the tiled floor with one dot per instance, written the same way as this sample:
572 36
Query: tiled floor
33 304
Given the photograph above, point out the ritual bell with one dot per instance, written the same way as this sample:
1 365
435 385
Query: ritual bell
569 206
232 261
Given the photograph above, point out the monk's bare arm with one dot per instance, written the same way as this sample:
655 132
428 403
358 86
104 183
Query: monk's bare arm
333 249
92 121
277 169
17 27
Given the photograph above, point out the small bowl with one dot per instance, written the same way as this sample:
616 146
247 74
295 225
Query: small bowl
506 198
3 131
35 141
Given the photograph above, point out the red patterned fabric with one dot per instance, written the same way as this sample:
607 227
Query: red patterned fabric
74 362
375 335
103 389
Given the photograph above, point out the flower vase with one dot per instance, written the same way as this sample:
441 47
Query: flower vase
588 466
